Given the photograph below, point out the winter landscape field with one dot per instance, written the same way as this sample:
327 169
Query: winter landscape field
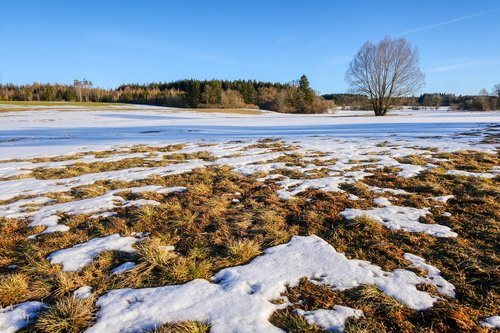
147 219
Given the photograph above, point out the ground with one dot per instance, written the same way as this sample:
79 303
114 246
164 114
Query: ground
133 219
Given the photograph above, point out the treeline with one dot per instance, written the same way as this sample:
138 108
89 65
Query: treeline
294 97
484 101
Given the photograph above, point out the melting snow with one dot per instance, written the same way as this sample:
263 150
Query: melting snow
83 292
444 198
49 215
381 201
30 186
433 274
292 187
17 317
470 174
330 320
491 322
239 299
126 266
81 255
405 218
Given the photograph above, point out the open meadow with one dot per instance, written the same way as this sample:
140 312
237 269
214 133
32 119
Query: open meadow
132 218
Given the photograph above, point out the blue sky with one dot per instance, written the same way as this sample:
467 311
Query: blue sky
114 42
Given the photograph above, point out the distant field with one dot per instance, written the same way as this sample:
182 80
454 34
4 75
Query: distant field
238 111
31 105
41 105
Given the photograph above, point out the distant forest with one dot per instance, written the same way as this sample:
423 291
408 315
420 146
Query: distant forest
482 102
293 97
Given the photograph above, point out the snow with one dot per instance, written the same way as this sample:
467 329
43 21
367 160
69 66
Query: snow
376 189
30 186
11 169
49 132
126 266
404 218
330 320
81 255
247 159
470 174
410 170
239 298
353 197
50 215
491 322
351 145
83 292
434 274
292 187
444 198
18 209
17 317
382 201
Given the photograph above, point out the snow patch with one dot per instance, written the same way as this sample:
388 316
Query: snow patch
401 218
491 322
126 266
17 317
381 201
444 198
330 320
81 255
433 274
239 298
470 174
83 292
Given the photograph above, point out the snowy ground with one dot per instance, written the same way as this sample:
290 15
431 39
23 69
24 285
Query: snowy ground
333 150
41 133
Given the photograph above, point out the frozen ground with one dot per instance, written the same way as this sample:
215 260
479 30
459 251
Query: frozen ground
41 133
333 150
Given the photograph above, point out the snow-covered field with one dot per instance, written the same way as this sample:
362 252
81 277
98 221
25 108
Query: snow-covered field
307 152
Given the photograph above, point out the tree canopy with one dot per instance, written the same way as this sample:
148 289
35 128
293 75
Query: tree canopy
385 72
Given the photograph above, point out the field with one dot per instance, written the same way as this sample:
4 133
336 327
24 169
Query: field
9 106
145 219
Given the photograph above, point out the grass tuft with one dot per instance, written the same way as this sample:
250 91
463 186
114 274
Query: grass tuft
183 327
243 250
68 315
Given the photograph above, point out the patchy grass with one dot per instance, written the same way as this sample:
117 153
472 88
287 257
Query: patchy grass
196 233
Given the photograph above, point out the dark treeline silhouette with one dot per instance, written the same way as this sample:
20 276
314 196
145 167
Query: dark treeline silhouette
484 101
296 96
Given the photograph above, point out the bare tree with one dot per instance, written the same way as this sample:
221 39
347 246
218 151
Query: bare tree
496 93
78 85
483 97
385 72
496 90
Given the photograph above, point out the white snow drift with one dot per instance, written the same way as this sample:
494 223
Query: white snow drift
239 298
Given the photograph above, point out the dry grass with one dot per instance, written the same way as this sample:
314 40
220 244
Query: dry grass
242 250
292 322
183 327
209 232
68 315
228 110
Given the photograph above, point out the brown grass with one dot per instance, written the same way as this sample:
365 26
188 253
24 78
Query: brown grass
183 327
209 232
68 315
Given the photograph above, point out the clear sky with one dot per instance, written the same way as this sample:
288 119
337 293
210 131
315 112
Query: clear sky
113 42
